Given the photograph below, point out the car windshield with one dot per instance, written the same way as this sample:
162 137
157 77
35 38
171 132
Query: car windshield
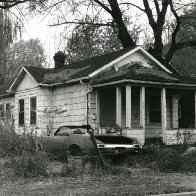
66 131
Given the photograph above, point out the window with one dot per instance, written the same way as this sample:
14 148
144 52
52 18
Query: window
8 110
33 110
21 112
1 111
155 109
5 110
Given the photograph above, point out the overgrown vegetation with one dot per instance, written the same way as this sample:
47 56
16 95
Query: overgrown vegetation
20 153
165 158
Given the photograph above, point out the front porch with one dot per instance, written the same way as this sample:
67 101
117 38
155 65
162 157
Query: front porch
147 112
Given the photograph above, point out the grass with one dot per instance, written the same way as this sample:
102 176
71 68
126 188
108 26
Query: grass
114 181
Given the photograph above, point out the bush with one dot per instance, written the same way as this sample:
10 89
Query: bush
13 144
30 164
169 160
189 162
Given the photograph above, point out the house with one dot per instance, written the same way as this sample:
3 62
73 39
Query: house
128 88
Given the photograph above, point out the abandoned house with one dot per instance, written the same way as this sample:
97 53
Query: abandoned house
128 88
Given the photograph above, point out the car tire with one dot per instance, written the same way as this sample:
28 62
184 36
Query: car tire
75 150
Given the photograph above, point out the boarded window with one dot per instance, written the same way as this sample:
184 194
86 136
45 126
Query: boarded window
155 109
21 112
1 111
33 110
8 110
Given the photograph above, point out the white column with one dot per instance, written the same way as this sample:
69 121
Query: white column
128 106
174 110
98 108
142 107
118 106
163 111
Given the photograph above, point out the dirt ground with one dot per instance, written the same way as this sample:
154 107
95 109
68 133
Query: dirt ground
129 181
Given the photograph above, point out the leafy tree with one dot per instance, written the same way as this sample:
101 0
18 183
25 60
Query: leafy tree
9 30
24 53
88 41
112 13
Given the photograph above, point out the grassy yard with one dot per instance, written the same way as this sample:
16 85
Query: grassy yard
116 181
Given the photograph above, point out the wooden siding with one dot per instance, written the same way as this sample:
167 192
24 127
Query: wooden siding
135 58
26 83
73 98
25 94
44 104
92 109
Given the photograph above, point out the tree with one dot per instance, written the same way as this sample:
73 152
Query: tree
9 30
24 53
88 41
112 13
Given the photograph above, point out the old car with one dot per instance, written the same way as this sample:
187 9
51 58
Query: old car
77 141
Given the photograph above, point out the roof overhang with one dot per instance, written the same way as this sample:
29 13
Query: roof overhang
141 82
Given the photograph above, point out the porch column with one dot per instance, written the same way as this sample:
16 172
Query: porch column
98 108
118 106
175 110
142 107
163 111
128 106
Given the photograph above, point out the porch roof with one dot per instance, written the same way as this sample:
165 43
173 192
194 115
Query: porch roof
138 72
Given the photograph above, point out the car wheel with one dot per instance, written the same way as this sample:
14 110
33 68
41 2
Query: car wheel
75 150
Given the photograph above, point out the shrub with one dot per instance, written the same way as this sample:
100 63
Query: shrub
13 144
30 164
189 162
169 160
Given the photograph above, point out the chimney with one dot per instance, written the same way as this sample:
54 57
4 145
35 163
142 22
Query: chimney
59 59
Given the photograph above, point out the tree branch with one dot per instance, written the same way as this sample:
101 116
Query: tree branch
157 6
149 14
5 4
103 6
81 23
162 13
178 23
138 7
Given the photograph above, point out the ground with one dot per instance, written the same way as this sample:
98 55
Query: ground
123 181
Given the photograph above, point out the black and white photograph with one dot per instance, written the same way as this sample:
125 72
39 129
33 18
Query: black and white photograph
97 97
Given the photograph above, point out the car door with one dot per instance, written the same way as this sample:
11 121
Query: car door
59 140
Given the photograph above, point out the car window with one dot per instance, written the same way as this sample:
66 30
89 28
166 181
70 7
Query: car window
64 131
79 131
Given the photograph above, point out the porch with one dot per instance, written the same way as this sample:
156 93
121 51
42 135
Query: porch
147 112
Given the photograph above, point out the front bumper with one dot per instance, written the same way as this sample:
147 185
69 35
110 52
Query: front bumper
117 150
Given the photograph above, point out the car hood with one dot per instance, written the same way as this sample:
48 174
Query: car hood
114 139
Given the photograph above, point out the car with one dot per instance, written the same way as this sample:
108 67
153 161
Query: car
76 141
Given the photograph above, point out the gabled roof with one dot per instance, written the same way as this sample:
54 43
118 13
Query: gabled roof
95 66
135 72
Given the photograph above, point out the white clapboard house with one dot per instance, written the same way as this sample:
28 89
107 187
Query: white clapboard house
128 88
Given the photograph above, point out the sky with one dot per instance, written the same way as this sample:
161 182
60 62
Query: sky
38 27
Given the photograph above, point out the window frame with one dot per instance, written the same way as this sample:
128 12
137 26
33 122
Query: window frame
33 110
21 112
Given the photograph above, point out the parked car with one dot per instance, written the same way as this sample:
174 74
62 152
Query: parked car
76 140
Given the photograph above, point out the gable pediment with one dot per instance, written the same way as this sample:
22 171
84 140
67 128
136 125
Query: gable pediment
23 81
